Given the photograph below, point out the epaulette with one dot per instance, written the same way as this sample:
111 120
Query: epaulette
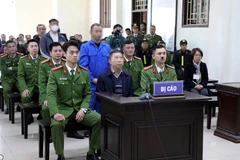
170 66
64 59
23 56
56 68
83 68
137 58
44 61
3 55
20 53
147 68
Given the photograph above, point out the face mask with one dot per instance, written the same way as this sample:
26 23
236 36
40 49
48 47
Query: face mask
55 28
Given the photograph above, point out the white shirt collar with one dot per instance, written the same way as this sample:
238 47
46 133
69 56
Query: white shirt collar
116 74
54 63
159 70
34 58
69 69
126 58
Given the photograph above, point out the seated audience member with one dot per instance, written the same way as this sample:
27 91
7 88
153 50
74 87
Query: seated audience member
128 32
69 96
169 56
28 74
28 37
41 30
114 79
196 74
180 58
158 71
132 65
145 53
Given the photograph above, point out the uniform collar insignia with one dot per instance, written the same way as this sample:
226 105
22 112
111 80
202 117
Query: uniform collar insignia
64 70
63 79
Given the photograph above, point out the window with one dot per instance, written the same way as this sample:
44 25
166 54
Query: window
140 5
105 13
195 13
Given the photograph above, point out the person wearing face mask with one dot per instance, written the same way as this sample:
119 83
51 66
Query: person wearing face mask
52 36
196 74
158 71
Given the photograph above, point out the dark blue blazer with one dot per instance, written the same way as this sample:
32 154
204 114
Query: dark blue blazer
105 83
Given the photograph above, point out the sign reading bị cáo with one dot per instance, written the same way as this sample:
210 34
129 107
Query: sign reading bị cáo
168 88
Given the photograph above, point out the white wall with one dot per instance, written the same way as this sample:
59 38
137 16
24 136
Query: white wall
218 41
73 17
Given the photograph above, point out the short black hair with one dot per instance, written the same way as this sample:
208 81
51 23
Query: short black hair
21 35
127 29
153 26
143 23
9 41
93 25
41 25
157 47
66 45
194 50
31 40
117 25
127 42
54 44
113 52
162 42
53 20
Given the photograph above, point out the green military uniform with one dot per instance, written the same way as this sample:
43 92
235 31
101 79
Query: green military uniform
142 33
150 75
134 68
28 76
169 59
137 40
43 74
66 95
153 40
9 77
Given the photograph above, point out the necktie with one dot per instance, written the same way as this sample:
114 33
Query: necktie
129 63
72 74
160 73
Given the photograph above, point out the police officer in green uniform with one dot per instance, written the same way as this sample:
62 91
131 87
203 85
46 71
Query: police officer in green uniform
169 55
153 38
132 65
28 74
157 72
44 69
136 38
69 96
180 58
9 67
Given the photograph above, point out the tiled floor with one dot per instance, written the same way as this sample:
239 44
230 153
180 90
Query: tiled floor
14 147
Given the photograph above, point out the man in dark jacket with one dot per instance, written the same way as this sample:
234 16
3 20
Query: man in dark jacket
50 37
41 30
114 79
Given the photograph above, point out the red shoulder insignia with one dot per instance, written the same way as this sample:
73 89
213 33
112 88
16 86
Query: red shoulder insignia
56 68
23 56
137 58
20 53
147 68
168 66
44 61
3 55
83 68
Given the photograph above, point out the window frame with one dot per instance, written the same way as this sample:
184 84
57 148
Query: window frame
184 16
105 18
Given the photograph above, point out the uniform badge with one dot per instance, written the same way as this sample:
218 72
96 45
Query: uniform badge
63 79
28 64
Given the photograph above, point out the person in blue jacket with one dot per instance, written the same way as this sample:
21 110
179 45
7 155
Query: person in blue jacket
94 56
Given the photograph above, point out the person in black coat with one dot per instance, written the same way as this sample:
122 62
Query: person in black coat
114 79
196 74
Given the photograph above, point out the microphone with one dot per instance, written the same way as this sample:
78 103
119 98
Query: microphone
146 95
